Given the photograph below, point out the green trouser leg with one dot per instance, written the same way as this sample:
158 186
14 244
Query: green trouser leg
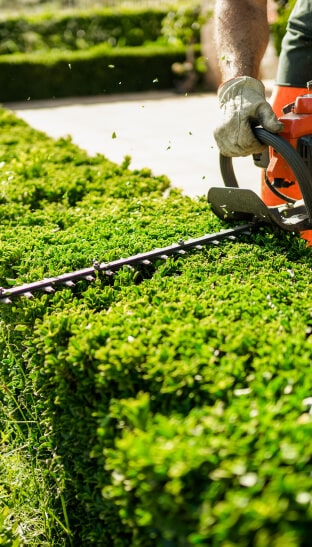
295 62
294 71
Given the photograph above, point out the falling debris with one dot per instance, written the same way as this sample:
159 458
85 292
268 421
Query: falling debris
114 136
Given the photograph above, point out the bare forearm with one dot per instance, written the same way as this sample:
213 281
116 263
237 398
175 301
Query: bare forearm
242 34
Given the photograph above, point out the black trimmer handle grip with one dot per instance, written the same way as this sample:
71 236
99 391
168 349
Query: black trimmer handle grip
291 156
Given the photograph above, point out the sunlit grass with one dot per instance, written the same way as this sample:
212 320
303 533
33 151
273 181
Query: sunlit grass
27 496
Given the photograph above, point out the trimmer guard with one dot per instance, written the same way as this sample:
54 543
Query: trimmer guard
234 203
244 204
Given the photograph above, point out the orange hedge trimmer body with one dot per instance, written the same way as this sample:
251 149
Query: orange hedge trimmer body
287 169
297 120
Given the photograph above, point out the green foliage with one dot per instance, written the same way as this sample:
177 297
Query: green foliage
182 25
28 497
278 28
168 405
8 535
93 52
96 71
79 30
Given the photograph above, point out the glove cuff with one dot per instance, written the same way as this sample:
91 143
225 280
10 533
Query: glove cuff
231 88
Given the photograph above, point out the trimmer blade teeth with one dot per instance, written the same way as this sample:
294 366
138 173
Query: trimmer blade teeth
69 284
48 289
5 300
88 278
49 285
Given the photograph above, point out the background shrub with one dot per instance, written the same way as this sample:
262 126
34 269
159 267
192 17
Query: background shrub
96 52
97 71
278 28
79 30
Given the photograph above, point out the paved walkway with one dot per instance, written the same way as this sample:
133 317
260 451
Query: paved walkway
169 133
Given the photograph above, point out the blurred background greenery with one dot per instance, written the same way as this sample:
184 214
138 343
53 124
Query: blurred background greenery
39 5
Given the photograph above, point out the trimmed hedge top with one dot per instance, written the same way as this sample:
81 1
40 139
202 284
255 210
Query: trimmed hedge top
168 406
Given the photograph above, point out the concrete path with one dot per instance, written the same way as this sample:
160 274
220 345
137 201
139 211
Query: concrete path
169 133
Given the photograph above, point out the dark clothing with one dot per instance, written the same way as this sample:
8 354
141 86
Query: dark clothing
295 62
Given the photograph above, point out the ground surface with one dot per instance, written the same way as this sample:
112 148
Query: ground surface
169 133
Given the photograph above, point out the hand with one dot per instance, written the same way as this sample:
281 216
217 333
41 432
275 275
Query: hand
243 103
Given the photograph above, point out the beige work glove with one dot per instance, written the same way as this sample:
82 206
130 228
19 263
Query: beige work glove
242 102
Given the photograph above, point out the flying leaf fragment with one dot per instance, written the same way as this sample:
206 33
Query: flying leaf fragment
114 136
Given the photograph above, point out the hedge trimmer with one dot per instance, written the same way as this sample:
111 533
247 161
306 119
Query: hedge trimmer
287 163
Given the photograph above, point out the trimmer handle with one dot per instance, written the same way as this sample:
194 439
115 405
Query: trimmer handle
291 156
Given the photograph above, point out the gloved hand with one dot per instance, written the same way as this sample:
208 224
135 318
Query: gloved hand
242 102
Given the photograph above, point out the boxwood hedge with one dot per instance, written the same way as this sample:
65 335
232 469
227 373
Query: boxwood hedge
78 29
96 71
94 52
37 51
166 406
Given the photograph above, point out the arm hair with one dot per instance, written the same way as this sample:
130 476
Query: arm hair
242 35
